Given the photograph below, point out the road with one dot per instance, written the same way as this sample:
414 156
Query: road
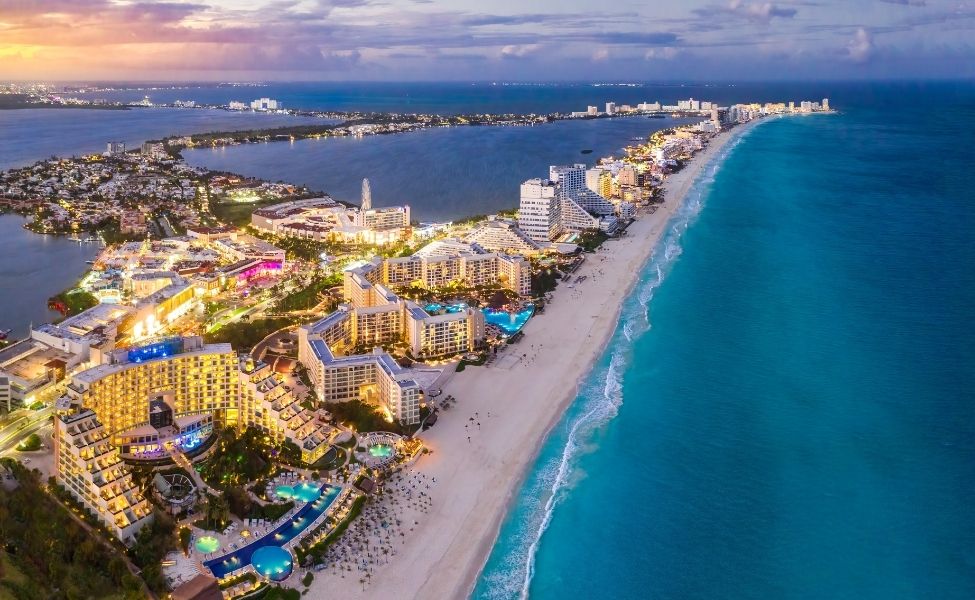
21 426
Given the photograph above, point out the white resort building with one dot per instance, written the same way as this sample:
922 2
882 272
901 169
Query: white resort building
90 469
324 219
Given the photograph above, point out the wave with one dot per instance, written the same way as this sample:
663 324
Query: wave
598 403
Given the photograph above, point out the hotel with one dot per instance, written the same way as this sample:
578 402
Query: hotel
160 399
323 219
89 467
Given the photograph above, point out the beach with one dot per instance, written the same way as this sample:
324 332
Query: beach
481 447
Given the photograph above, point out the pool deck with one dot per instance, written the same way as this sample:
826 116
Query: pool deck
267 539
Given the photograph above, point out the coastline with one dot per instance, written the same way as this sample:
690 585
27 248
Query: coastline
515 403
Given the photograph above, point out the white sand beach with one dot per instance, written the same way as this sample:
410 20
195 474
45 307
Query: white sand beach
482 447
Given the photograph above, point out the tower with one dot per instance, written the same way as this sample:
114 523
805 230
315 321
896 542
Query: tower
366 195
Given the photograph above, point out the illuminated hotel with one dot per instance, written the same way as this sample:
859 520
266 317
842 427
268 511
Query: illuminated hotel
446 262
90 468
163 398
324 219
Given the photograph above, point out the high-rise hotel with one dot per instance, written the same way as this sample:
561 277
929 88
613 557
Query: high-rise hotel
162 398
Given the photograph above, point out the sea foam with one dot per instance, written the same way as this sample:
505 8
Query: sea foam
510 570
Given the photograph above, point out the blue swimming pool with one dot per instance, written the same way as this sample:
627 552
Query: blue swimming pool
303 492
273 562
277 538
510 323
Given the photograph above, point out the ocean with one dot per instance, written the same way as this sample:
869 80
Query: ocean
786 408
459 97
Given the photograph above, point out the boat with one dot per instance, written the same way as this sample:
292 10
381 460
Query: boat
4 333
587 151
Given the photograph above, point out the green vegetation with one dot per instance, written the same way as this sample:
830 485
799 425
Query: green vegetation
238 459
30 443
152 543
72 302
238 213
309 296
590 240
332 459
363 417
545 280
276 593
184 540
246 334
297 248
307 579
48 554
216 514
481 359
271 512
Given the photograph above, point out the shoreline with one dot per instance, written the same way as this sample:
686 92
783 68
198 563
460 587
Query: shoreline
479 480
693 173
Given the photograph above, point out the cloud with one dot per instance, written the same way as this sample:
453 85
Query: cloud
600 55
755 12
860 49
906 2
515 51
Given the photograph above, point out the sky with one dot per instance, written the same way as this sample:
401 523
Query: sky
517 40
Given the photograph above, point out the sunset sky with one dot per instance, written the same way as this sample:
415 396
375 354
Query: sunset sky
473 39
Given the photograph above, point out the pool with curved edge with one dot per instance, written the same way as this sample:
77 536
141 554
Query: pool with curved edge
509 323
273 562
207 544
281 535
303 492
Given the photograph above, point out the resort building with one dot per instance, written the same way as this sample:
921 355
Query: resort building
502 236
375 378
52 351
439 264
539 212
88 466
563 203
324 219
191 377
266 403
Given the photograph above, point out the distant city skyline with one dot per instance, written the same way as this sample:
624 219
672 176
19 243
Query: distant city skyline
434 40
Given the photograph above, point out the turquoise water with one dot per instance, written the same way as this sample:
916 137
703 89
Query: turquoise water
303 492
786 408
207 544
381 450
273 562
284 533
510 323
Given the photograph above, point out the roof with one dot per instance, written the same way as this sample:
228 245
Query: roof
201 587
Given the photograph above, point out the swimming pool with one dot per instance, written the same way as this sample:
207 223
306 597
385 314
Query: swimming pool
284 533
509 323
381 450
273 562
303 492
207 544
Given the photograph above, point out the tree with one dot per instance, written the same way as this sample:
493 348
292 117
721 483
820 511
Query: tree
238 501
